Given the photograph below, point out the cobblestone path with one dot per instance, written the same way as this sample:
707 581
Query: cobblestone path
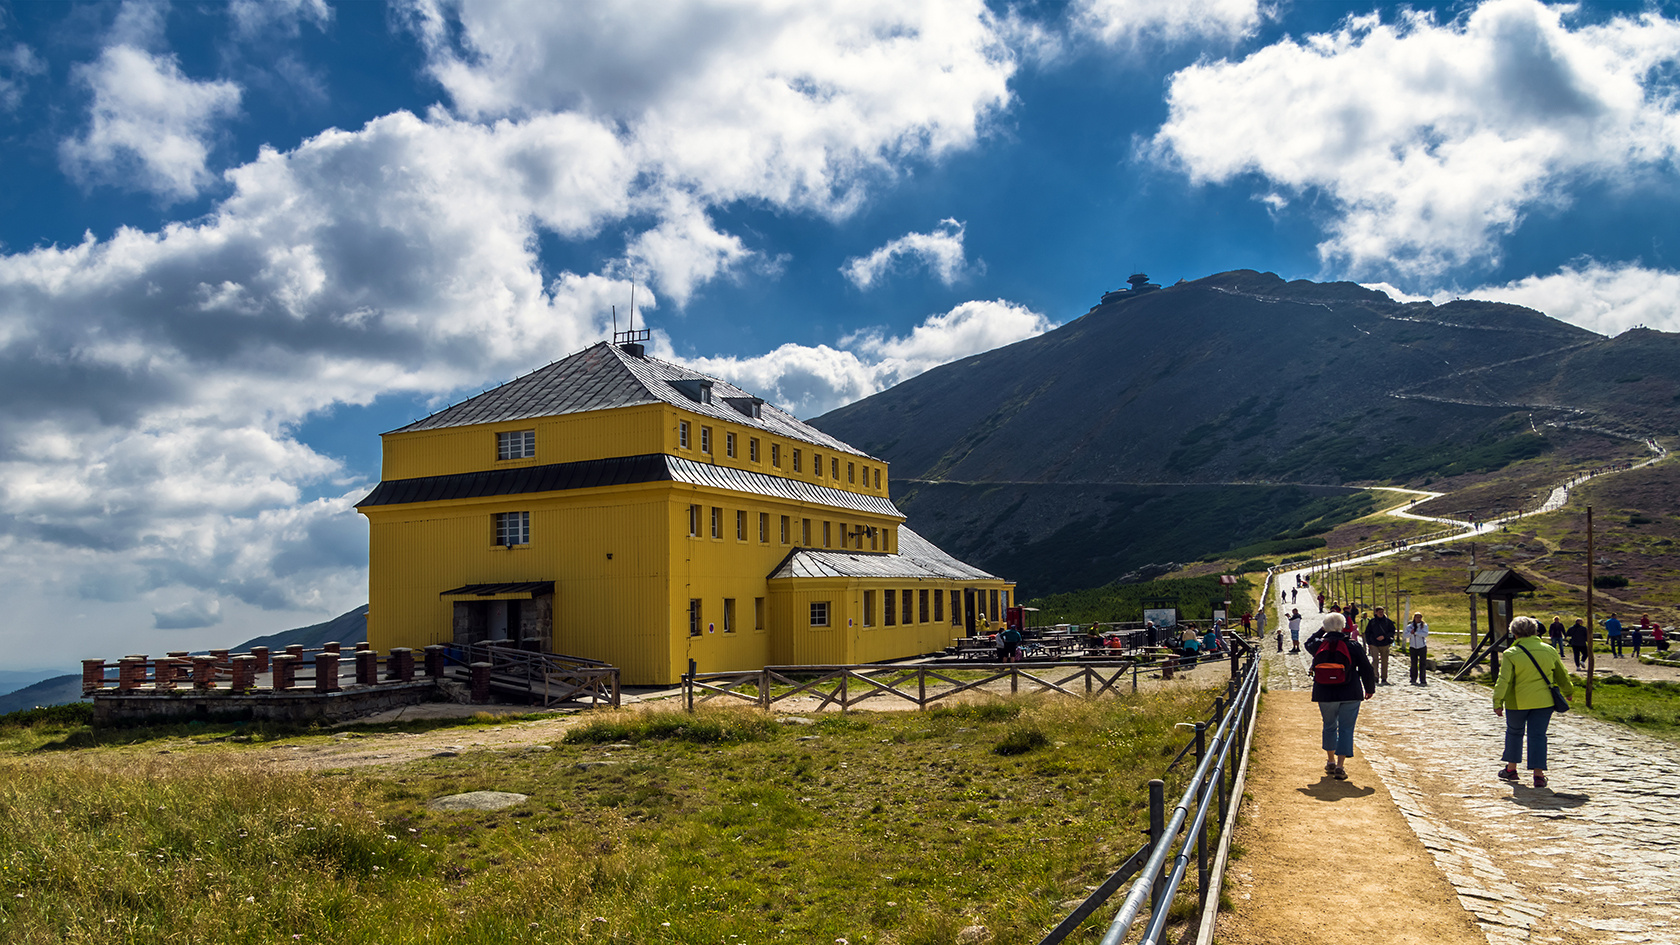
1595 858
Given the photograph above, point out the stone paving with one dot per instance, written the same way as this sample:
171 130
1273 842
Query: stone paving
1595 858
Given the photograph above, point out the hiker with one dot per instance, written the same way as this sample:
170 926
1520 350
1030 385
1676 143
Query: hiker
1557 633
1342 679
1379 636
1638 634
1613 632
1292 595
1523 695
1009 644
1658 638
1580 640
1295 631
1417 646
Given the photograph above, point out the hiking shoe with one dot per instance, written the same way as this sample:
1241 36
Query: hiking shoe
1506 774
1340 773
1539 780
1330 767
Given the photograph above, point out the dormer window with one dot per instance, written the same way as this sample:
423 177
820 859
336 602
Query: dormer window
747 406
517 444
696 389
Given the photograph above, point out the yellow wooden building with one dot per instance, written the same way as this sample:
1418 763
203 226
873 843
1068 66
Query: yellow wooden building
625 509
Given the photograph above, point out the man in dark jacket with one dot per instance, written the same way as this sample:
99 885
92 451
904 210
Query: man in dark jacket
1580 638
1379 636
1338 703
1557 630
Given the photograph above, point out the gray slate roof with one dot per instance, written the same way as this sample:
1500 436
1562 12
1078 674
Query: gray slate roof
917 558
604 376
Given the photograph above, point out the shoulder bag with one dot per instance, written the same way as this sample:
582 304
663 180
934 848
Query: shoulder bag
1558 701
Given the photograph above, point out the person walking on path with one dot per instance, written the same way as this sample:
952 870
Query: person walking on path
1613 632
1638 634
1295 630
1580 639
1523 695
1342 679
1557 633
1379 636
1417 645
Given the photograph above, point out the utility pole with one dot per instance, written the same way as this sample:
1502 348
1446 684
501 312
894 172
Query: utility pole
1591 634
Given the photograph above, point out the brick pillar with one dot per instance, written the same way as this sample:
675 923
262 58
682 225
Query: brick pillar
435 661
260 654
326 672
367 667
163 673
364 645
244 673
401 664
179 667
296 649
285 671
204 672
222 656
93 675
131 672
480 682
331 647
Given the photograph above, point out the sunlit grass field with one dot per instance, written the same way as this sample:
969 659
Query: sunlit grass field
720 827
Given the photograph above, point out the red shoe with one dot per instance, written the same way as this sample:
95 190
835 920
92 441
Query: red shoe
1506 774
1539 780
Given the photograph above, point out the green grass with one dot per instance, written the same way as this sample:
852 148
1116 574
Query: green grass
1193 596
1652 707
721 827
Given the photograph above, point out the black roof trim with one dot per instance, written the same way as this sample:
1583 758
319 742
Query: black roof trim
617 471
533 588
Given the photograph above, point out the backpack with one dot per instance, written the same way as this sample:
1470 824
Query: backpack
1331 662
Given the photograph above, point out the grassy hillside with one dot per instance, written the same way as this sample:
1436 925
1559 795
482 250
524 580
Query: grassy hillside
1194 597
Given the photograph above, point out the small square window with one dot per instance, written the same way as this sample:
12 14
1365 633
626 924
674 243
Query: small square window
729 445
705 439
717 522
518 444
513 528
819 613
682 434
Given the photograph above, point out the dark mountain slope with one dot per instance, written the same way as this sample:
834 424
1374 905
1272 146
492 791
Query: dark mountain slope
1239 377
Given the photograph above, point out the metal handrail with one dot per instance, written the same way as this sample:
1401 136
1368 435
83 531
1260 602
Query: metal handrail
1199 792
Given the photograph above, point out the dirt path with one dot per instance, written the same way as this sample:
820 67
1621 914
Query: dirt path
1329 861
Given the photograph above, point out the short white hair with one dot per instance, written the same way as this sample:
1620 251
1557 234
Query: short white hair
1335 621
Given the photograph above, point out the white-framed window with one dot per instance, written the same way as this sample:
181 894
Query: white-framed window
741 526
851 473
796 466
764 527
827 533
729 445
694 521
877 479
516 444
513 528
833 469
717 522
819 613
776 455
752 448
816 464
784 529
729 615
705 439
694 616
682 433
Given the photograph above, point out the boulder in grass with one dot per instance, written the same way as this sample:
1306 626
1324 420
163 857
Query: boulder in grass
479 800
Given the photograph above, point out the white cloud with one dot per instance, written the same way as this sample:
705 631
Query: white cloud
1118 22
1608 299
940 251
254 19
17 65
811 380
154 381
189 615
149 126
1431 141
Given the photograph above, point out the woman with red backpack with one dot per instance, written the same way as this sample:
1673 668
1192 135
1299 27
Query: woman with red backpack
1342 679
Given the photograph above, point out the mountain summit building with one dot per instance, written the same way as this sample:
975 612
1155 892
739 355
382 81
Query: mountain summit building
625 509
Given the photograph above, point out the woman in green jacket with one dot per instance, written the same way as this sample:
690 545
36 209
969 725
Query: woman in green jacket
1526 675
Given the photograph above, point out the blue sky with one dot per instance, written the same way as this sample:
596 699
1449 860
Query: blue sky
240 240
